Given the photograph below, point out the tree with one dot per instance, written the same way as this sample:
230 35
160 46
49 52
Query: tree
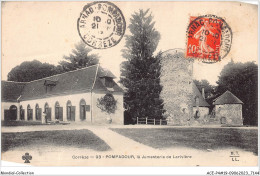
31 70
108 105
241 80
141 71
79 58
208 88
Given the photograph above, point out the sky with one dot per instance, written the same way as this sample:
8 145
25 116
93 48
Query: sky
47 31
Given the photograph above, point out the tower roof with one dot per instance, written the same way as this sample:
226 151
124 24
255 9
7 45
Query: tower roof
196 92
227 98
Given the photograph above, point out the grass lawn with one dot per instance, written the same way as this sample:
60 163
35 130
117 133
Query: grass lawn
71 138
27 123
198 138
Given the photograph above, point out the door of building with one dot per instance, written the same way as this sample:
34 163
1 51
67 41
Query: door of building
59 113
82 106
13 112
29 114
71 113
22 114
82 112
48 113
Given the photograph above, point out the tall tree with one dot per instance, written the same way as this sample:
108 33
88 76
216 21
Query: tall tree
141 70
79 58
31 70
241 80
208 88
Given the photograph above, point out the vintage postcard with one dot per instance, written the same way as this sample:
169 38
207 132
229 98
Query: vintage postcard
120 83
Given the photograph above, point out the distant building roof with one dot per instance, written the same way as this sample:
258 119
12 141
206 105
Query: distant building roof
227 98
11 91
196 92
77 81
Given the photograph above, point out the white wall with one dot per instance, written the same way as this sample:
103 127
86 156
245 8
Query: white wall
6 106
75 101
97 115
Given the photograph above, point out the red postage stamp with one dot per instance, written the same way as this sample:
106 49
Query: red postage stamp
209 38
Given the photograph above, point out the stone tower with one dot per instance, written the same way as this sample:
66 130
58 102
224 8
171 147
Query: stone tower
176 80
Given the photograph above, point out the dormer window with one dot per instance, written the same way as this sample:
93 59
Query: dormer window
49 84
107 82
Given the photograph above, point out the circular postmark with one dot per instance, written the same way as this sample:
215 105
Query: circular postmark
101 25
208 38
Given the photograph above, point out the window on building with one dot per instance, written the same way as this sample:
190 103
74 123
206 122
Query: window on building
21 113
47 111
82 105
58 112
29 112
38 112
70 111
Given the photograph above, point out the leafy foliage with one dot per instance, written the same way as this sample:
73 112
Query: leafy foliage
141 71
208 88
107 104
241 80
31 70
79 58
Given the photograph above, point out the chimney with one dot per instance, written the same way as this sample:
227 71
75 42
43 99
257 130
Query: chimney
203 93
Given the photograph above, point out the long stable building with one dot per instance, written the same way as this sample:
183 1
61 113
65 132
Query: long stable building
70 96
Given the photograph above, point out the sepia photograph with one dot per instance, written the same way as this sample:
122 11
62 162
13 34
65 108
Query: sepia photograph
120 83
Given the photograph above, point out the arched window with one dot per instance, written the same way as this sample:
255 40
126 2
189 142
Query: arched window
47 111
13 107
82 105
46 106
13 112
21 113
58 111
38 112
70 111
69 103
82 102
57 104
29 112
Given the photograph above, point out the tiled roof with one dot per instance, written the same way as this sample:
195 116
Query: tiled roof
196 92
227 98
66 83
77 81
100 86
105 73
11 91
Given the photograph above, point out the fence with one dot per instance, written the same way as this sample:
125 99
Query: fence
147 121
